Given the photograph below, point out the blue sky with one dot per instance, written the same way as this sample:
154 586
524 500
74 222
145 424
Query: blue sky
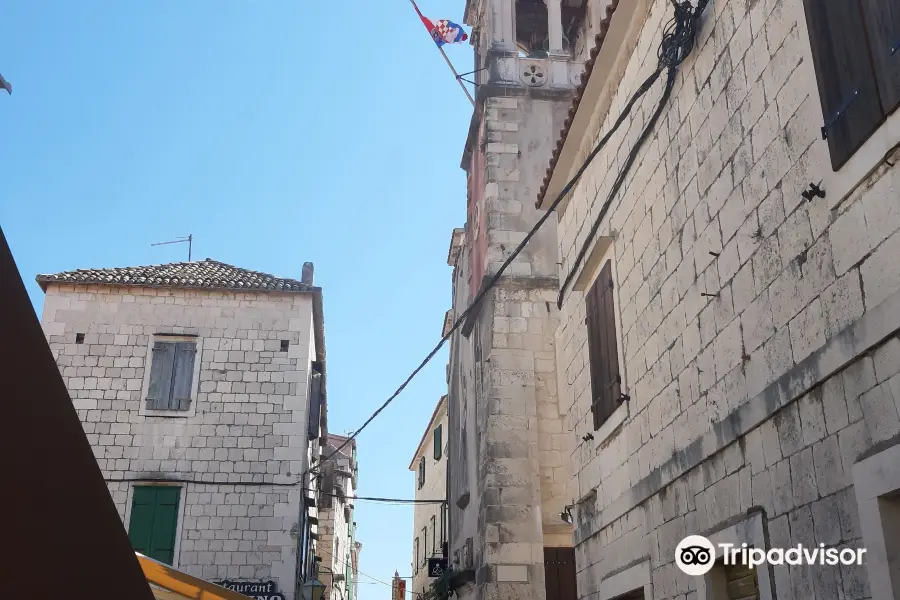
275 132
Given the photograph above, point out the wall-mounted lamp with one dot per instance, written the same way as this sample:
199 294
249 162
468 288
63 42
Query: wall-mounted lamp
566 514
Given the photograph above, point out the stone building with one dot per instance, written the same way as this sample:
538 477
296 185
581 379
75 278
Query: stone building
337 526
429 464
200 387
728 351
508 451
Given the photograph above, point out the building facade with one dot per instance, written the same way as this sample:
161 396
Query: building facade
200 387
337 526
728 345
509 470
429 464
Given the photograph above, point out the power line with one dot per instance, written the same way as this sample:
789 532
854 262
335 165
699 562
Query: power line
678 42
376 499
374 579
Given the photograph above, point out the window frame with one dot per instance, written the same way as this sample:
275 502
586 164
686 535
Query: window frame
867 157
875 477
602 253
624 583
179 525
751 531
416 557
195 377
425 546
420 474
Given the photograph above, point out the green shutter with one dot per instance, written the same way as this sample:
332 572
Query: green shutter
438 443
154 517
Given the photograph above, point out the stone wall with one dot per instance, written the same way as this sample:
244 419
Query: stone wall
766 391
508 470
245 434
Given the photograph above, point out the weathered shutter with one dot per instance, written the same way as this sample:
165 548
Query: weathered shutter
183 379
882 19
846 80
602 347
315 403
438 443
421 472
153 521
162 363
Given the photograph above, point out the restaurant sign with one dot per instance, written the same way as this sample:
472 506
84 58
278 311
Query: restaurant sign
261 590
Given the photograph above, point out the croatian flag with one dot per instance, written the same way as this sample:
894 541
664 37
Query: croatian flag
444 31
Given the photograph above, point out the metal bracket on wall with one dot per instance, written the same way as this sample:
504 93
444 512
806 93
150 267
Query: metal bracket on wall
840 113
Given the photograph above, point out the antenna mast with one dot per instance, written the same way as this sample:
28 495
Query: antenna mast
189 239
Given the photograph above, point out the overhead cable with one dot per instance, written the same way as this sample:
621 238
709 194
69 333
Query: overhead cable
678 41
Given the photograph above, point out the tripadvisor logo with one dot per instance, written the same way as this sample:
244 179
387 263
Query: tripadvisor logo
695 555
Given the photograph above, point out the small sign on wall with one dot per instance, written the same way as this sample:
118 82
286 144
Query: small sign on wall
261 590
436 566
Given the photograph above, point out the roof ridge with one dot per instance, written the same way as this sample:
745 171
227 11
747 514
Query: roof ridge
207 273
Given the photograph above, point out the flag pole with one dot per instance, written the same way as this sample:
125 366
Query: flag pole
458 78
449 64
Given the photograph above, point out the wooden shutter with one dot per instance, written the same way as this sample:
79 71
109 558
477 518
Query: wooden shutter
153 521
183 379
425 546
603 349
421 472
162 367
315 401
846 80
882 19
438 443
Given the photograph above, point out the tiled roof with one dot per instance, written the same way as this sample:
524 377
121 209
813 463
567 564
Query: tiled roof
207 274
579 94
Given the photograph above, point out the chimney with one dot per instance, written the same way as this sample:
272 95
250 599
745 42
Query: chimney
307 276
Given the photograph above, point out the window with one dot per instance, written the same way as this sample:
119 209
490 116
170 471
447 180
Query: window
632 583
424 545
79 338
416 561
421 472
434 536
602 347
438 443
856 53
171 375
154 518
285 345
876 483
736 582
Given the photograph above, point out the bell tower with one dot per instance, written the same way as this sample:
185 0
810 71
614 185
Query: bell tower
508 456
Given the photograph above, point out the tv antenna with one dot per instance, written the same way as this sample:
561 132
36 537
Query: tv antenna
189 239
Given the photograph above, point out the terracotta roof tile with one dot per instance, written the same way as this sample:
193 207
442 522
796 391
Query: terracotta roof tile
579 94
207 274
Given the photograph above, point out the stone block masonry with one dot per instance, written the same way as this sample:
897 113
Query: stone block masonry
764 392
246 429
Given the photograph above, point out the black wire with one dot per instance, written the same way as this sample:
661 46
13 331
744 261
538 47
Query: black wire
678 42
375 499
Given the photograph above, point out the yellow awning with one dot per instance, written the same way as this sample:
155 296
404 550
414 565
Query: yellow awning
170 584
